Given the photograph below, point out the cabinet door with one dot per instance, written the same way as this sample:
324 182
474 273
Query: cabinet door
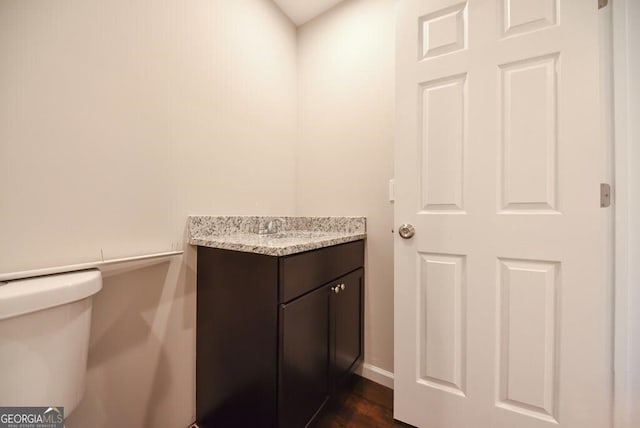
346 314
304 356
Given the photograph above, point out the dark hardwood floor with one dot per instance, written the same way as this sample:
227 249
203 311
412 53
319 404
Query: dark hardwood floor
363 404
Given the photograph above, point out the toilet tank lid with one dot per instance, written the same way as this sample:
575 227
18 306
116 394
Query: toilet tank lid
23 296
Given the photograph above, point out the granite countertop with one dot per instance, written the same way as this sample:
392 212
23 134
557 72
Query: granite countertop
295 235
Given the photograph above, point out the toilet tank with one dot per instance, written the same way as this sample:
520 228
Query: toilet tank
44 339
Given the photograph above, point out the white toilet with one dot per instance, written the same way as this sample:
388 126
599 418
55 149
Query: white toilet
44 339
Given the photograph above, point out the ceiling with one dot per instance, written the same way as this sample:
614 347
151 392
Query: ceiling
301 11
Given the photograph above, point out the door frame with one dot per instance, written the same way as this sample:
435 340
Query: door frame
626 86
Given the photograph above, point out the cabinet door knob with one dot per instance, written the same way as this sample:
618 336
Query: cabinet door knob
336 289
341 286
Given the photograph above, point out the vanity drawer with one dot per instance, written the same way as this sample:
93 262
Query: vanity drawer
301 273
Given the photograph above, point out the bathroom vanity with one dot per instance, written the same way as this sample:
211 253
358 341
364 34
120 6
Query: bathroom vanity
279 317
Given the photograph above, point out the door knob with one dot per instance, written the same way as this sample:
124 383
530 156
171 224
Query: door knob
407 231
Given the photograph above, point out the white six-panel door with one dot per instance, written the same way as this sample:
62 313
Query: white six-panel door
502 305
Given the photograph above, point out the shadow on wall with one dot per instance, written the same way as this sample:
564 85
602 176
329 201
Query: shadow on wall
141 364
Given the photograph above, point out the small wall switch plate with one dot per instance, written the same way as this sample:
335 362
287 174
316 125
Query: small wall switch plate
392 190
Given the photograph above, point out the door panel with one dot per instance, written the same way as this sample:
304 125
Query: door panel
442 146
528 179
442 327
502 315
528 337
520 16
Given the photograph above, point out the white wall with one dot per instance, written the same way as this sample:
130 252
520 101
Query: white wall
117 120
626 16
345 151
83 147
233 109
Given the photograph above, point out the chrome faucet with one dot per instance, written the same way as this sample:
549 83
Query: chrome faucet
272 226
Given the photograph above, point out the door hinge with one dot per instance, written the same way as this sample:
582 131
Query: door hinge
602 3
605 195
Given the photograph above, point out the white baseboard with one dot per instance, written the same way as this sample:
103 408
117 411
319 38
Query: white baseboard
376 374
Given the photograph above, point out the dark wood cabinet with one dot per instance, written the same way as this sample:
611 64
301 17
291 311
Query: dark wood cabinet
276 336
